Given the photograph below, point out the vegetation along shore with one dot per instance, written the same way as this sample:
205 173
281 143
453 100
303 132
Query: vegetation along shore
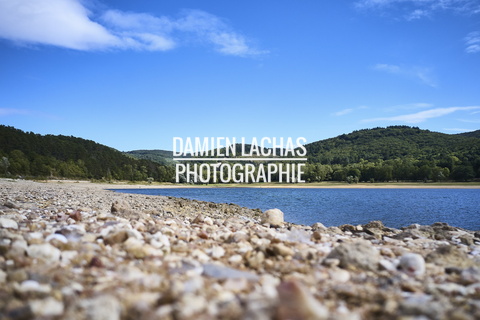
78 251
392 154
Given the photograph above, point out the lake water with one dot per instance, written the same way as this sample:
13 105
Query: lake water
333 207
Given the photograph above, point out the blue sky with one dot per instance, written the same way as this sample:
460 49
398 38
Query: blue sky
135 74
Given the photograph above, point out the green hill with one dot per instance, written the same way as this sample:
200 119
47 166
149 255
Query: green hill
48 156
160 156
396 153
475 134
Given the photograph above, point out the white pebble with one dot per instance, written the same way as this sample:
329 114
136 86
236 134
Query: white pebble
412 264
8 223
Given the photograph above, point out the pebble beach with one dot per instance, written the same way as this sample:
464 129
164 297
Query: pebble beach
78 251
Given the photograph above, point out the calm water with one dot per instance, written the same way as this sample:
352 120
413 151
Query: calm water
333 207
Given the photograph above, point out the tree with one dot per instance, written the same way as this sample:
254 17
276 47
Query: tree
5 164
463 173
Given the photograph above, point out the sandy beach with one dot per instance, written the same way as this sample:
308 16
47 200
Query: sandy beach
73 250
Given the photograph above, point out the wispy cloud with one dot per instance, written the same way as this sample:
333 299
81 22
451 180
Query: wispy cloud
409 106
472 42
411 10
416 9
68 24
424 75
422 116
417 14
343 112
469 120
10 112
348 110
460 130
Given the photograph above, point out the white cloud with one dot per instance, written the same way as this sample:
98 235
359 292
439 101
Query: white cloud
469 120
211 29
423 115
416 9
388 68
472 41
417 14
460 130
409 106
68 24
348 110
63 23
420 73
10 111
343 112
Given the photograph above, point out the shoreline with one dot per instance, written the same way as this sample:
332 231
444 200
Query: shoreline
74 250
319 185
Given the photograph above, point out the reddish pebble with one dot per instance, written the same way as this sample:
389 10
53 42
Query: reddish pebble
77 216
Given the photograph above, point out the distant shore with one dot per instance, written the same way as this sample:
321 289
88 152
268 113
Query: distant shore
316 185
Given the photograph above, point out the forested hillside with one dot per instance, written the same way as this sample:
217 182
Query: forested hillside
395 153
161 156
49 156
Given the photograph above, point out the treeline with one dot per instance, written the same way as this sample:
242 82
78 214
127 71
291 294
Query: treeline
396 153
50 156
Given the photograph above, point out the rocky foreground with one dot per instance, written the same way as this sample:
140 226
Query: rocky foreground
76 251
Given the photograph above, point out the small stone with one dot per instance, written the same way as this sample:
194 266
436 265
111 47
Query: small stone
48 307
136 248
77 216
208 221
387 265
216 252
316 235
331 262
296 302
8 223
339 275
466 239
282 250
236 258
3 276
222 272
356 255
11 205
105 307
96 262
45 252
33 289
118 236
449 256
470 275
237 237
120 206
412 264
318 227
56 237
273 217
18 275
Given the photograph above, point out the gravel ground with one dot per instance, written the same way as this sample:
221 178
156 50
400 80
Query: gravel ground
77 251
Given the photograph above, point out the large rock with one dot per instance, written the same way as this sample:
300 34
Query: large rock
273 217
356 255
